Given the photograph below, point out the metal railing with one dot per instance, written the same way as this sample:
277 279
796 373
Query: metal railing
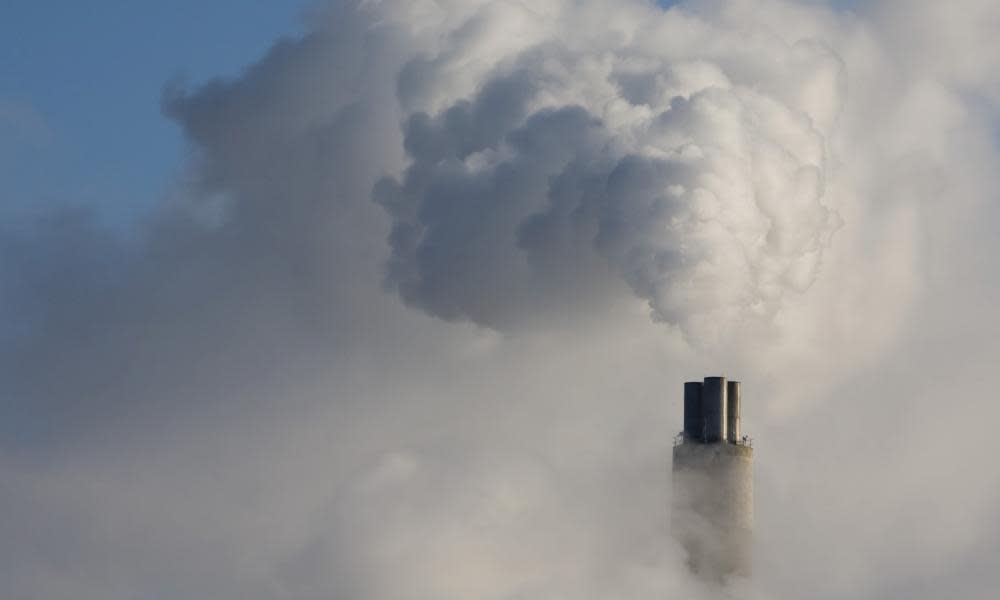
745 441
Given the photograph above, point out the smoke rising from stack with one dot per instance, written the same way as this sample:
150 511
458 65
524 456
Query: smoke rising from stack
585 156
804 193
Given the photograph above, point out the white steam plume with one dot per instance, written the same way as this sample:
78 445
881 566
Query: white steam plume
686 157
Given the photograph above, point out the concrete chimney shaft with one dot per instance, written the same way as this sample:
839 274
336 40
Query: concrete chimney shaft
712 514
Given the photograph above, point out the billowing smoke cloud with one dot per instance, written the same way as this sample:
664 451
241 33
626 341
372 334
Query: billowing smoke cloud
696 173
228 403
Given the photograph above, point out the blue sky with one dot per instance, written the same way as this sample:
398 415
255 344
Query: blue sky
80 86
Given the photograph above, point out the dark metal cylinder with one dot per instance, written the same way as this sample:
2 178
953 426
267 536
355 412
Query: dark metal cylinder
733 411
694 417
714 408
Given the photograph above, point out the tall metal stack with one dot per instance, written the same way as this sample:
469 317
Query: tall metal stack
712 514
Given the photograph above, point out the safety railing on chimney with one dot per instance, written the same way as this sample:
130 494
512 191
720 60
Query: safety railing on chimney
745 441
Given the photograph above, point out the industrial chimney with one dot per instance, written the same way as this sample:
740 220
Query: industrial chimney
712 514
